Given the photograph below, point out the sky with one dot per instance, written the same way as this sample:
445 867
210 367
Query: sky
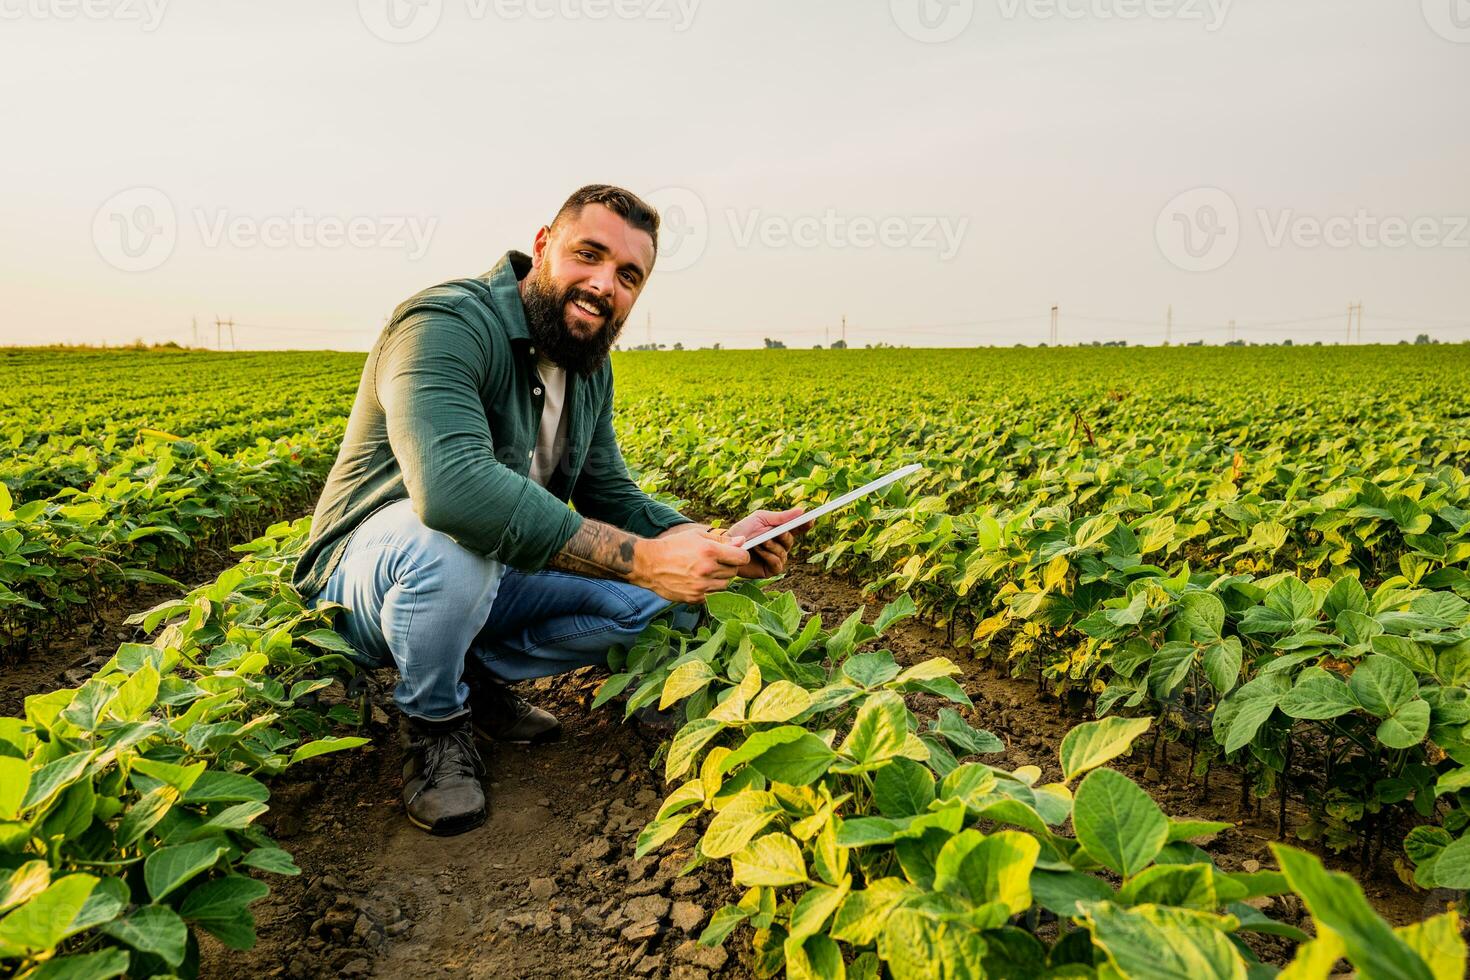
930 172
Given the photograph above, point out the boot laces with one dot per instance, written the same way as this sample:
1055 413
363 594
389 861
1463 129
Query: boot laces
450 754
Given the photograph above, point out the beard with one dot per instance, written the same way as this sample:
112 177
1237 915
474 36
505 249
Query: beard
546 319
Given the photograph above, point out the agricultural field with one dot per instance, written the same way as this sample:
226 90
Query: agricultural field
1159 668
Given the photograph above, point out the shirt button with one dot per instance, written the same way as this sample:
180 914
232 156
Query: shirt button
533 350
531 454
535 391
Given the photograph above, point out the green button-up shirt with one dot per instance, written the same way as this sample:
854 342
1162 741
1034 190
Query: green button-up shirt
447 414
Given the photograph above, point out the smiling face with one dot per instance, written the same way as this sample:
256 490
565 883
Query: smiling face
587 269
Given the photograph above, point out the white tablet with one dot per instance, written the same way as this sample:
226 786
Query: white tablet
832 505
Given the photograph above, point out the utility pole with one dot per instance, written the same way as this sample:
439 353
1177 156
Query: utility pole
1351 308
1232 331
194 323
1360 321
844 330
1169 326
218 332
1054 310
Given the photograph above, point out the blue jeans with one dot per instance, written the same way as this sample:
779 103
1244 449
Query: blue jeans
417 599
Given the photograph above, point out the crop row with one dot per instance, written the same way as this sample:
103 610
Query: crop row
1252 566
129 805
868 843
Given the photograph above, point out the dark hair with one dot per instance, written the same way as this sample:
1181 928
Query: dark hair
633 209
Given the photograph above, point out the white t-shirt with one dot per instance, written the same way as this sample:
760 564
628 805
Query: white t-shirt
551 439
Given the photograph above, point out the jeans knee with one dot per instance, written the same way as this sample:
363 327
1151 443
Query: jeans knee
640 609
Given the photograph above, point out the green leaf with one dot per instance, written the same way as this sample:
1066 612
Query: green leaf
738 823
271 859
15 780
958 732
1337 902
901 608
903 789
213 786
169 867
1203 615
154 929
721 924
984 868
1169 667
1093 743
687 743
220 906
797 763
1382 685
1406 727
879 731
774 860
1117 823
24 884
1152 942
1346 595
870 670
684 680
144 814
1181 885
322 746
54 777
1060 892
102 965
778 701
328 640
1222 664
45 920
758 743
814 908
1318 694
860 919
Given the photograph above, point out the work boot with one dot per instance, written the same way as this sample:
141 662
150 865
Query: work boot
501 714
441 776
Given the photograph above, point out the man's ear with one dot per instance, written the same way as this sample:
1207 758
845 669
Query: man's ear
538 248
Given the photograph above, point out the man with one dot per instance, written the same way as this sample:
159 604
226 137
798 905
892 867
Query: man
485 405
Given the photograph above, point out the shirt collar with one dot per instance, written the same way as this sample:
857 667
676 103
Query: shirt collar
505 292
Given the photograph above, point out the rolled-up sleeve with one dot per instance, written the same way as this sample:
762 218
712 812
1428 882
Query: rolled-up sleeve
606 492
428 379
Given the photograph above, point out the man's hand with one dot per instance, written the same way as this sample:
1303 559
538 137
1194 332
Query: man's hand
687 567
769 558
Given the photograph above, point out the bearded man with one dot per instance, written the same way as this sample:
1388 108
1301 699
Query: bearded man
485 406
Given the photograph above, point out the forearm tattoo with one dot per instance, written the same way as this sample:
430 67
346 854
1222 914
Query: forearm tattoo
597 550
